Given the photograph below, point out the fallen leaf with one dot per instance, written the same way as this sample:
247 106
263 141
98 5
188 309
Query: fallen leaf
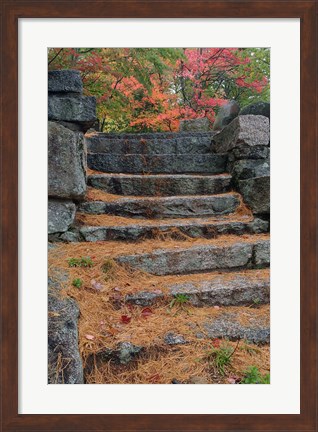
113 331
216 343
89 337
146 312
125 319
96 285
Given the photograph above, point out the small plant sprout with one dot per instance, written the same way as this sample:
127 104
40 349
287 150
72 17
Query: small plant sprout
256 302
74 262
179 301
253 376
80 262
219 357
77 283
86 262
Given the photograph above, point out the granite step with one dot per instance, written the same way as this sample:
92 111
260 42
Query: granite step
165 207
160 184
157 164
225 253
249 288
116 228
151 144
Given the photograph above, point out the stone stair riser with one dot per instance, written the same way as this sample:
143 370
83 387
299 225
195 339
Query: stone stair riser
165 163
160 185
193 230
150 146
167 207
119 136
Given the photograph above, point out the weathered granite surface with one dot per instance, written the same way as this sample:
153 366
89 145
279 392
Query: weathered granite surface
65 81
64 361
198 258
151 145
158 164
61 214
256 193
137 231
66 163
243 131
223 291
258 108
165 207
160 185
75 109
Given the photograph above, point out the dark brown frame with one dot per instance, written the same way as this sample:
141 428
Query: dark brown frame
11 12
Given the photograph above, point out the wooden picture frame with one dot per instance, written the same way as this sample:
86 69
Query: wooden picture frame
11 12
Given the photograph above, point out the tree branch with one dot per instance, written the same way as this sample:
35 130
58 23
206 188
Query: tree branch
52 60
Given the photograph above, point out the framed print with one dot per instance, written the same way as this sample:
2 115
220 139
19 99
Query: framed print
147 152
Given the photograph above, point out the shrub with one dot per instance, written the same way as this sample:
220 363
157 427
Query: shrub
253 376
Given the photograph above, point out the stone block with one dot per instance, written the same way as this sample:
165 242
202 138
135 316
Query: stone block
258 108
243 131
247 168
65 81
61 215
74 109
66 163
64 361
256 194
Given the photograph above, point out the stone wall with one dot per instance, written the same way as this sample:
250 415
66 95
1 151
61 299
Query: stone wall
70 115
247 141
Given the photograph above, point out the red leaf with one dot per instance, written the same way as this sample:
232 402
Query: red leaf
146 312
216 343
125 319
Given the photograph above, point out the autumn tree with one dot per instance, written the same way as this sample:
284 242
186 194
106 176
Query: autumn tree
151 89
209 77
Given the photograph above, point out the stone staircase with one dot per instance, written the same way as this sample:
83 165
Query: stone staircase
217 250
155 183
